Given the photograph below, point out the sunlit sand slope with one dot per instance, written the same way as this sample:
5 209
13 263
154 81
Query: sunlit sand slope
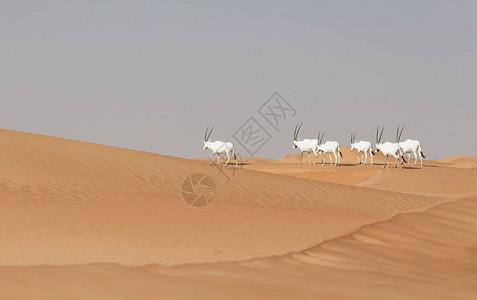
87 221
427 255
70 202
461 161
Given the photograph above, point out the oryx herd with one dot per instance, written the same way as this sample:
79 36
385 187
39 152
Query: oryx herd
398 149
316 146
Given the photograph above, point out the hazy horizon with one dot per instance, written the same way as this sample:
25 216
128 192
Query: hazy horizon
153 76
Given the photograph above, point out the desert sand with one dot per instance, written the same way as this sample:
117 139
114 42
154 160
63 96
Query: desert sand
87 221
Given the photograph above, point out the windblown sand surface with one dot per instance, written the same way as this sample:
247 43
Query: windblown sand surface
86 221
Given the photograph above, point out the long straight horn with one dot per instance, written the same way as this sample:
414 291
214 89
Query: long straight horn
381 135
321 139
210 132
205 136
297 131
397 135
294 133
377 133
400 134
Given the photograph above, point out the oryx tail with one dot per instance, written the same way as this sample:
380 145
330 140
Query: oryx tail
420 150
235 156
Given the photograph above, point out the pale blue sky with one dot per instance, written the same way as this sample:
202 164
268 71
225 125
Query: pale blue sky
152 75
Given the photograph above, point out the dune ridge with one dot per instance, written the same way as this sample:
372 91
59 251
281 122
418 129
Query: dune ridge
86 203
110 223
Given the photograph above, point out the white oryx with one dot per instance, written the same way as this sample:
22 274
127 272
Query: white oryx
328 148
411 146
388 149
363 147
306 146
218 148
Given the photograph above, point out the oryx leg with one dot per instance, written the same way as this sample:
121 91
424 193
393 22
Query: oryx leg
316 156
371 154
336 157
420 156
331 160
397 161
211 159
415 157
365 157
228 158
233 152
218 158
309 162
301 156
359 161
323 158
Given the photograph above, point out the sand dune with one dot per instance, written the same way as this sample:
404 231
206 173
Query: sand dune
461 161
111 223
426 255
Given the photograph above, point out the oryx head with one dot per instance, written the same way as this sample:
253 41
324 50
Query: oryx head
353 140
399 134
320 140
378 139
207 137
295 136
